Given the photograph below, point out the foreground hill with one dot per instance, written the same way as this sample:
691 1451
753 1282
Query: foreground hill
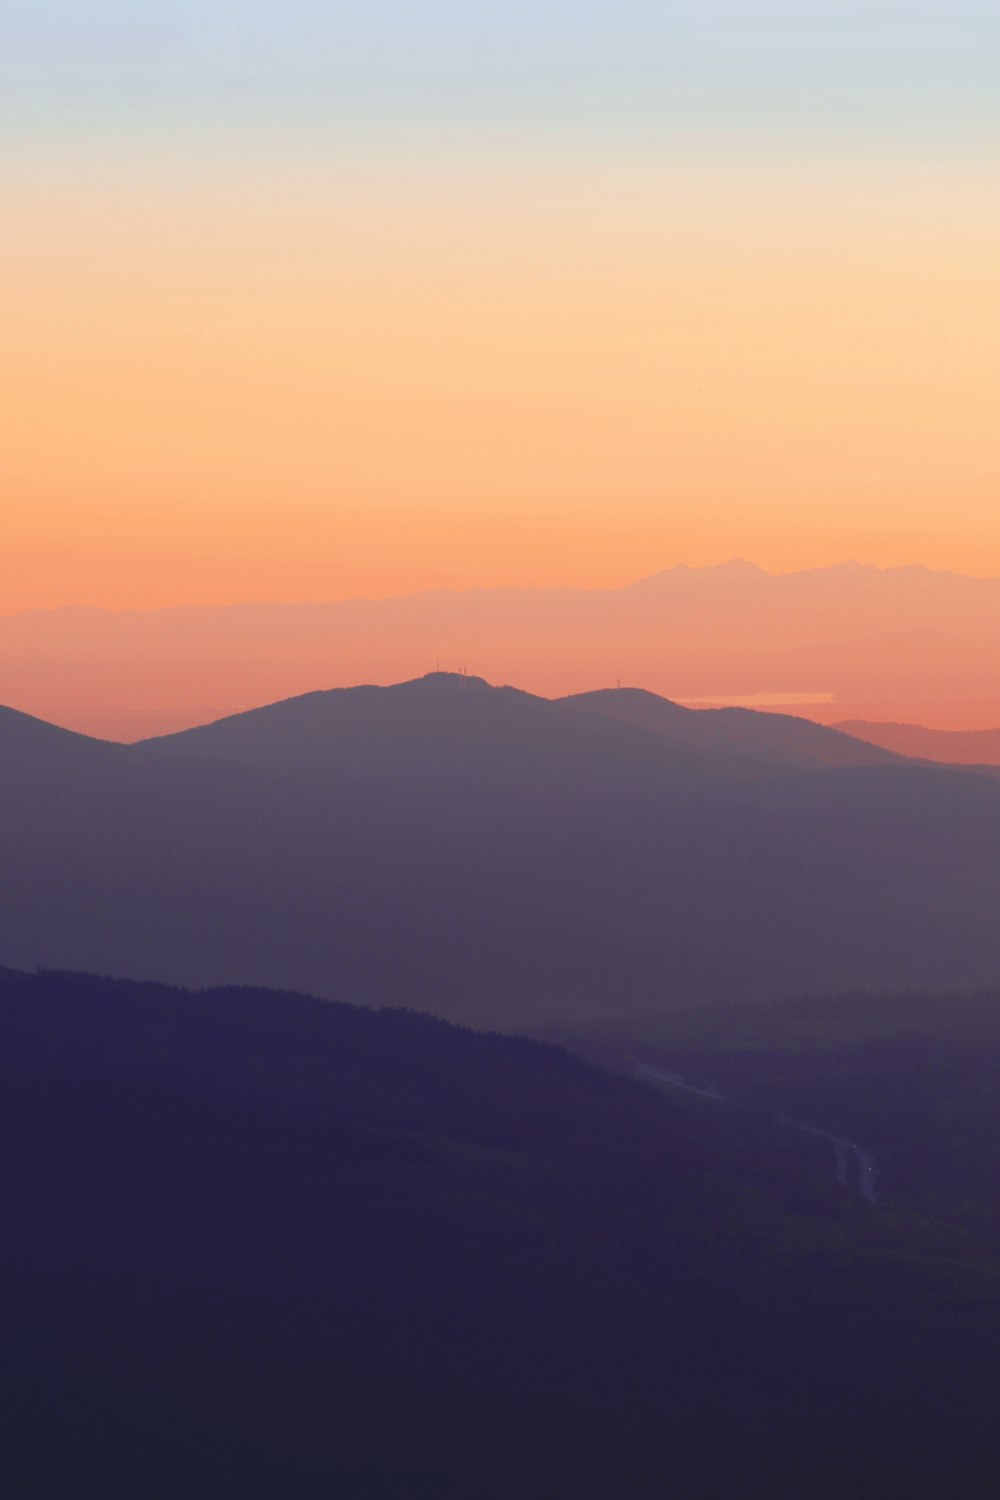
260 1245
495 857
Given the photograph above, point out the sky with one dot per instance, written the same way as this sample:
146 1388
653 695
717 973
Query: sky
306 300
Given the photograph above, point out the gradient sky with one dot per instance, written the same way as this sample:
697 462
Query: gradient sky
304 300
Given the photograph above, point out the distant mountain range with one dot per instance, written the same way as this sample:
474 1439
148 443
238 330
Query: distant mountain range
847 642
493 856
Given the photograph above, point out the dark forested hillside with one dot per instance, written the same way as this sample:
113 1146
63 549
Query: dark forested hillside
497 858
258 1244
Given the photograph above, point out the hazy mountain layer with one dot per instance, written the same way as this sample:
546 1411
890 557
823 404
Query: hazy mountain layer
970 747
488 855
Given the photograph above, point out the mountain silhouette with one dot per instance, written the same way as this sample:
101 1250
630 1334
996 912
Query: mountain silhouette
488 855
909 644
765 739
449 724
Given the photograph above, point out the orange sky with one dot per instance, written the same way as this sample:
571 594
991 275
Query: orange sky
222 382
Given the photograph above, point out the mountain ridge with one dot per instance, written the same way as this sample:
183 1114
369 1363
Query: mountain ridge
498 858
906 644
764 738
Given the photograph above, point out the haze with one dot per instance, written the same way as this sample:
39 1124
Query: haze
499 748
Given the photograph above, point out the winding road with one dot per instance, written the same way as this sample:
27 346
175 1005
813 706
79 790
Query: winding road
867 1180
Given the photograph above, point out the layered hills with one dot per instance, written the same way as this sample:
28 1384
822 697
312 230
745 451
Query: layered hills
496 857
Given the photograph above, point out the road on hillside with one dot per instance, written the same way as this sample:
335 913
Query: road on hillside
844 1150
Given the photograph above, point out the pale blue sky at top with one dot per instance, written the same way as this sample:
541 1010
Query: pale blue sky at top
925 67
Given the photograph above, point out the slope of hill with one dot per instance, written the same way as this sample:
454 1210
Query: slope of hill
258 1245
956 747
488 855
768 739
28 743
